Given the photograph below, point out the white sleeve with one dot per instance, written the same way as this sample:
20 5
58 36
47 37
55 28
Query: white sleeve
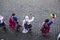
53 20
31 19
23 23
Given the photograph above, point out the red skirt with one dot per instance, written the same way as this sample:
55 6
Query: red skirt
46 30
12 24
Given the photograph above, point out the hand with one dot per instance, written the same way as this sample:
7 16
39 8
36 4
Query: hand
30 13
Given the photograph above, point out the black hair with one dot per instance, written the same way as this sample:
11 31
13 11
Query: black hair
13 14
46 20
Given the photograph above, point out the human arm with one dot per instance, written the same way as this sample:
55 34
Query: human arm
31 19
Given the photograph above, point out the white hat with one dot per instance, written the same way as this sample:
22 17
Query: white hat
26 17
1 17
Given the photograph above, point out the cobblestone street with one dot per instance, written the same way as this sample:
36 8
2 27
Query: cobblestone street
41 10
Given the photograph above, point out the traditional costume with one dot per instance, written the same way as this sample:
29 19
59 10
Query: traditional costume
2 23
27 24
13 22
45 29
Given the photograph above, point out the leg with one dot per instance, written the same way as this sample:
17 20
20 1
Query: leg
4 26
18 27
30 27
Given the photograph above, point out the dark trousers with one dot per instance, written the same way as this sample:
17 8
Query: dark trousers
3 25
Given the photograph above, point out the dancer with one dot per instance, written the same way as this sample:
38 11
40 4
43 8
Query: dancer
27 26
2 23
13 22
45 28
47 23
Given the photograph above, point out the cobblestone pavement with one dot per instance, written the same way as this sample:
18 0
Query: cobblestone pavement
41 10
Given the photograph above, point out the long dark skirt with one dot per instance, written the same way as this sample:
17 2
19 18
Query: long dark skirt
46 30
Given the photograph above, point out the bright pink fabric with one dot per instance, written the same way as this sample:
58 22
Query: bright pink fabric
12 23
45 29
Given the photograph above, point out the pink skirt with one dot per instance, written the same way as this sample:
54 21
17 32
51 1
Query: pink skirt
46 30
12 25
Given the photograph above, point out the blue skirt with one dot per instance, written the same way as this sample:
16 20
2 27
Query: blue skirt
29 26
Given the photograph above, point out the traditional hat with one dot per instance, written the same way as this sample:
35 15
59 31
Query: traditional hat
53 15
26 18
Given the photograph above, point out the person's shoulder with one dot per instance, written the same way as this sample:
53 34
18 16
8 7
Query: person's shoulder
15 16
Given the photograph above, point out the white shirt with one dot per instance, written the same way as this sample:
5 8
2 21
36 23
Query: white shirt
27 20
1 19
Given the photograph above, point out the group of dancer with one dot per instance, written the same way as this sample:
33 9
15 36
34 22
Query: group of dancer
26 24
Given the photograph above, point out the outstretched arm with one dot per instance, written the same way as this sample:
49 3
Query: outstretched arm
31 19
51 22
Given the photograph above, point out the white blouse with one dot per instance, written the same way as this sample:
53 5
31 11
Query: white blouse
28 20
